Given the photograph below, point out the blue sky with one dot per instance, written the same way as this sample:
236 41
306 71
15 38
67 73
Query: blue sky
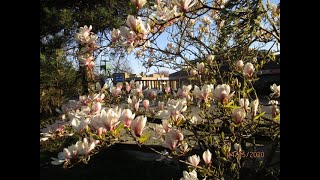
162 41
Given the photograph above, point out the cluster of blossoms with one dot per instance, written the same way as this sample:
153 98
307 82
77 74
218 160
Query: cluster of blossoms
87 41
81 148
54 130
247 69
135 33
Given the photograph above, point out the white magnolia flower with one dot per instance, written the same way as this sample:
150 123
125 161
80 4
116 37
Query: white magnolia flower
244 103
239 65
80 124
194 160
189 176
276 90
222 93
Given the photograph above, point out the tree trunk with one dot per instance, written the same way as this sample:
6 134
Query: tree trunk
88 80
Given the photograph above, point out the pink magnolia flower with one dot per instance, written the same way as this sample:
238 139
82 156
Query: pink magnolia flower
207 156
110 118
185 5
238 115
119 85
138 124
222 93
172 139
115 35
146 104
133 23
115 91
96 107
127 117
166 125
248 70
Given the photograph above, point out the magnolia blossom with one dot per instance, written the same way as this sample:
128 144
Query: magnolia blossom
239 65
194 160
276 90
222 93
138 3
127 117
200 67
207 20
248 70
137 125
99 97
204 93
174 110
254 107
238 115
185 5
189 176
133 23
97 124
207 156
115 91
79 149
55 129
159 130
146 104
110 118
172 139
210 59
96 107
115 35
244 103
164 12
79 124
166 126
84 36
184 146
184 92
136 105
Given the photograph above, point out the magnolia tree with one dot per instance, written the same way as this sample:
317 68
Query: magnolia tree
219 44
